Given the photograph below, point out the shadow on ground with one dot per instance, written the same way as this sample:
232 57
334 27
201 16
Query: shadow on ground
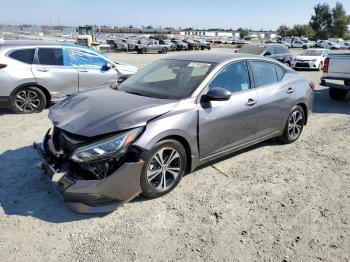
324 104
25 191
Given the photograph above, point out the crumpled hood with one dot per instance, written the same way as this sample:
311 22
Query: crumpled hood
104 111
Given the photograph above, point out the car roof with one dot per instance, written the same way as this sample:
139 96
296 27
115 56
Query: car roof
10 43
210 57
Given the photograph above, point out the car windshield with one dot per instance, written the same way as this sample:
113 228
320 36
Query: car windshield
252 49
167 79
312 53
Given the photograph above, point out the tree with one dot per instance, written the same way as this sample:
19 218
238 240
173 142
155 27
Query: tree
283 31
243 32
340 21
303 31
321 21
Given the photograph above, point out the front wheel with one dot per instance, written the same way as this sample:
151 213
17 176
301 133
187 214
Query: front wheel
165 164
294 126
164 50
27 100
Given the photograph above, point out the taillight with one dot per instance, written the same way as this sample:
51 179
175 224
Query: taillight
325 65
2 66
312 86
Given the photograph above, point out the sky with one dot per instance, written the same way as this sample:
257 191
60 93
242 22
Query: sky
254 14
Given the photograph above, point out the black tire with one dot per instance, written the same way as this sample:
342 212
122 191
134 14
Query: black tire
150 189
202 47
304 47
337 94
32 99
288 63
164 50
209 47
294 126
143 51
320 66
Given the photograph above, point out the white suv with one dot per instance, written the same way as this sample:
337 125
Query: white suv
35 73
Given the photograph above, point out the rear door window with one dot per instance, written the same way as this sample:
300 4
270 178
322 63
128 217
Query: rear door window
50 56
264 73
23 55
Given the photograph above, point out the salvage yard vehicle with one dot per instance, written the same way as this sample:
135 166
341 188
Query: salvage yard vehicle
301 44
180 45
117 46
192 45
336 75
279 52
153 46
35 73
330 45
203 44
167 42
107 146
311 59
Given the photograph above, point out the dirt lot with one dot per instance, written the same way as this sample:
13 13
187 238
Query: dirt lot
271 202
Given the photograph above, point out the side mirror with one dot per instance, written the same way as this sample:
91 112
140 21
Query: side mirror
218 94
267 54
107 66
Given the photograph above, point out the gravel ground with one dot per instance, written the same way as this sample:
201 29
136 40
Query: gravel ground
271 202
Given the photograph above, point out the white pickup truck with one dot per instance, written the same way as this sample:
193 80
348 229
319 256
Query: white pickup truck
336 75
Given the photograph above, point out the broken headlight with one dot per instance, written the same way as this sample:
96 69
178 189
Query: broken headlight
106 148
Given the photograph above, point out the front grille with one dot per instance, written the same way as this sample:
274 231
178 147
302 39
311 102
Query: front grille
302 65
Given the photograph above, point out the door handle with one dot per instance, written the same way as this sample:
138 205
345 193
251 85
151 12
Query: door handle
251 102
43 70
83 71
290 90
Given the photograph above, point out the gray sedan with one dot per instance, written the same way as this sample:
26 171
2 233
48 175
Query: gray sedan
107 146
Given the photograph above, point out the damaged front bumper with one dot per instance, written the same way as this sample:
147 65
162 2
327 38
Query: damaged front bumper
94 196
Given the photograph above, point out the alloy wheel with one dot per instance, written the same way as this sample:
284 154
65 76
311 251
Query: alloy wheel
295 123
27 101
163 169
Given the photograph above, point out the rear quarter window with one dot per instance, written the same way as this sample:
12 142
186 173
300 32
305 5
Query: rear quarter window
280 72
23 55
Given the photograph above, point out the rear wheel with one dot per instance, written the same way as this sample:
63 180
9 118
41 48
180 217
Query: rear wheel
337 94
165 164
27 100
164 50
143 51
294 125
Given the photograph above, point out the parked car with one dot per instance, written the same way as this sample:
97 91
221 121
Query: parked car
107 146
311 59
301 44
117 46
345 45
336 75
167 42
192 45
319 43
277 51
35 73
153 46
203 44
330 45
180 45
